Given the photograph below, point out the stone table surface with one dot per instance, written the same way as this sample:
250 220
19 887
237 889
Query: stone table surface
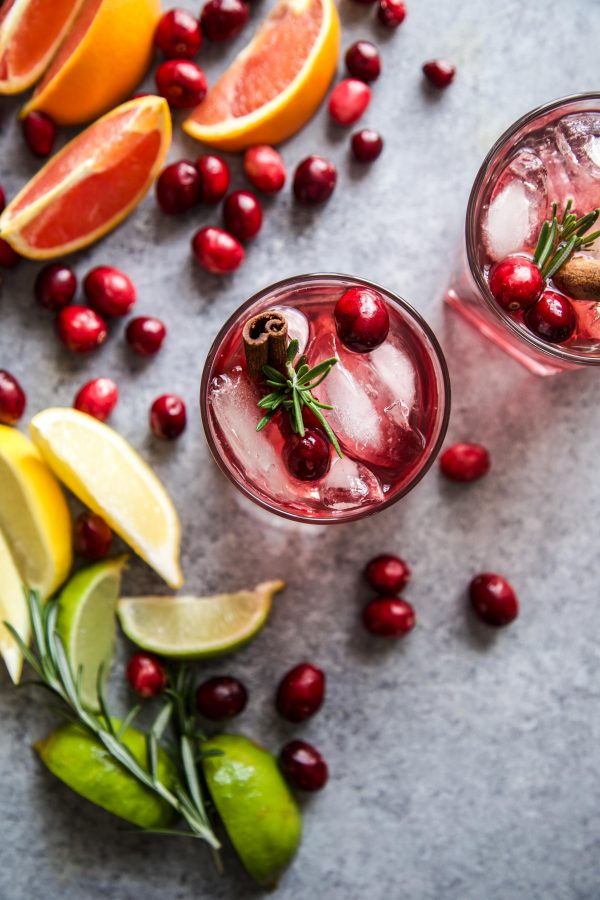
464 764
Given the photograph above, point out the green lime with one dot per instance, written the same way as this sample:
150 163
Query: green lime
86 621
78 758
196 627
258 809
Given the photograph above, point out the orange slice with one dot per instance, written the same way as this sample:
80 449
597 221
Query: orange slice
92 184
30 32
276 83
103 58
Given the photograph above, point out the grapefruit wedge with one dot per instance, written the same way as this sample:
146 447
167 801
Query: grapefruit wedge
277 81
92 184
30 33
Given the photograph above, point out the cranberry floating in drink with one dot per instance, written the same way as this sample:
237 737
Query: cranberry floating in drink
307 424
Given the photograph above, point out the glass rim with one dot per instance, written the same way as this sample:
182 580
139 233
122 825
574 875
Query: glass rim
471 240
445 397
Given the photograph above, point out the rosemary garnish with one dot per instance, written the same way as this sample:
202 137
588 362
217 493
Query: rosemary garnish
558 240
293 390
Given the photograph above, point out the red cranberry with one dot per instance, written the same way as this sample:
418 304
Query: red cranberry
363 61
439 72
221 698
8 257
242 214
2 199
391 13
465 462
387 574
366 145
146 675
308 457
348 101
223 19
181 82
552 318
308 417
40 133
145 335
55 286
12 399
214 177
97 398
109 291
516 282
92 537
303 766
493 599
389 617
178 34
301 692
264 168
217 251
168 416
314 180
361 319
178 187
80 329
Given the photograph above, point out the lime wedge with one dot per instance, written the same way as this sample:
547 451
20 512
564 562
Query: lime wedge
196 627
86 621
13 609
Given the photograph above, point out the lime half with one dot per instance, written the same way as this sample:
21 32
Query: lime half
86 621
196 627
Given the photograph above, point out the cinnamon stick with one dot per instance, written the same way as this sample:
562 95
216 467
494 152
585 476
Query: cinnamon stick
265 339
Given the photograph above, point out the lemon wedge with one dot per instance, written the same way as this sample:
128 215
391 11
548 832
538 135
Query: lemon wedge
13 609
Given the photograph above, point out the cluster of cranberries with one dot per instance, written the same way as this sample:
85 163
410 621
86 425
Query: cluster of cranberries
388 615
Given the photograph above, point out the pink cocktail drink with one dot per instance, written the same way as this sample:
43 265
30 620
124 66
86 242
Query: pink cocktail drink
389 414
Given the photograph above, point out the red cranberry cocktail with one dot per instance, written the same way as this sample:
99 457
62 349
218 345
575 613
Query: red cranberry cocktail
532 282
325 398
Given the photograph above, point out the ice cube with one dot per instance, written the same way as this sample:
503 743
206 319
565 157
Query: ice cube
298 327
397 373
348 485
518 207
577 162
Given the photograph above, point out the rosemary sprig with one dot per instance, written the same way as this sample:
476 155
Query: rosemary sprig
560 238
292 391
48 659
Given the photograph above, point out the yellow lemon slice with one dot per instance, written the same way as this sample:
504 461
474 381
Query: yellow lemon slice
13 609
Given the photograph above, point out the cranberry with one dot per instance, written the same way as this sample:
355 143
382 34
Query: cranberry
181 82
214 177
552 318
217 251
146 675
439 72
516 282
178 34
2 199
145 335
301 692
109 291
40 133
389 617
12 399
391 13
303 766
223 19
97 398
348 101
366 145
168 416
308 457
465 462
55 286
361 319
387 574
92 537
178 187
493 599
242 215
221 698
308 417
8 257
314 180
363 61
80 328
264 168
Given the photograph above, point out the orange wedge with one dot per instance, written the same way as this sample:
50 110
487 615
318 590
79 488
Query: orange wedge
30 32
102 59
276 83
92 184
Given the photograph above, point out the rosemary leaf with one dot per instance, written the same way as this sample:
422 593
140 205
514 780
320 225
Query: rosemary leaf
128 720
298 412
292 350
274 375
